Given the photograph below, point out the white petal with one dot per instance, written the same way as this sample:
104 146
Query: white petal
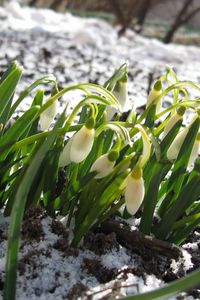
172 121
103 166
64 159
47 117
82 144
194 154
122 94
174 149
151 97
110 112
134 194
121 97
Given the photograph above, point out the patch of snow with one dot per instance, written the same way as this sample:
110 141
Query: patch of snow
116 259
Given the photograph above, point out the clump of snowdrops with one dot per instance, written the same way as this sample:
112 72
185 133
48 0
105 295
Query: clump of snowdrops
93 161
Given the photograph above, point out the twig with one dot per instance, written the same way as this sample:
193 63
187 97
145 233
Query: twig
135 238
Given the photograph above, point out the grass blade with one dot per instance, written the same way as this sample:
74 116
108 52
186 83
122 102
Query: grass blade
18 211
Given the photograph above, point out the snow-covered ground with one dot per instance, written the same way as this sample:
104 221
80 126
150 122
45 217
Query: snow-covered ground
50 269
79 50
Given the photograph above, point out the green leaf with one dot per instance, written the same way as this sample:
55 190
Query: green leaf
187 196
151 197
175 182
18 128
118 75
150 117
43 80
18 210
7 89
166 292
101 203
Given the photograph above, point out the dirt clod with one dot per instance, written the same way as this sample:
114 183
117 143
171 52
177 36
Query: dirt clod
101 243
76 291
32 229
58 228
101 273
63 246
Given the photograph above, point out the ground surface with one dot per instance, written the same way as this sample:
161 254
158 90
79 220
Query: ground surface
50 269
81 50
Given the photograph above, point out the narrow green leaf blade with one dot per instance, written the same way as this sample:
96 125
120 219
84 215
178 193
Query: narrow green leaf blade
18 210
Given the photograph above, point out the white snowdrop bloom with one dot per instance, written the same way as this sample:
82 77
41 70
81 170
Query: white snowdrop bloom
175 147
121 93
64 159
146 151
81 145
103 166
47 116
134 191
195 152
173 120
154 94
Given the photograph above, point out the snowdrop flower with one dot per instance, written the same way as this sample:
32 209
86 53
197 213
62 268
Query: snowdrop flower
175 147
173 120
134 191
146 151
154 94
195 152
104 164
121 93
82 144
78 147
64 159
47 116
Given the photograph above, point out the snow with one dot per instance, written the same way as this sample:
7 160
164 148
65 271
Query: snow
61 272
82 49
89 46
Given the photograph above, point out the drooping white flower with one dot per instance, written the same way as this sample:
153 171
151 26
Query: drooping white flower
81 145
47 116
154 94
121 93
78 146
104 165
195 152
175 146
173 120
64 159
146 151
134 191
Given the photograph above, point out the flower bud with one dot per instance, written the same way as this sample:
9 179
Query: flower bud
173 120
154 94
47 116
82 143
134 191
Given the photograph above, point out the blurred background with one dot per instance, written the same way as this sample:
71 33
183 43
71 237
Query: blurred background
81 41
169 20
